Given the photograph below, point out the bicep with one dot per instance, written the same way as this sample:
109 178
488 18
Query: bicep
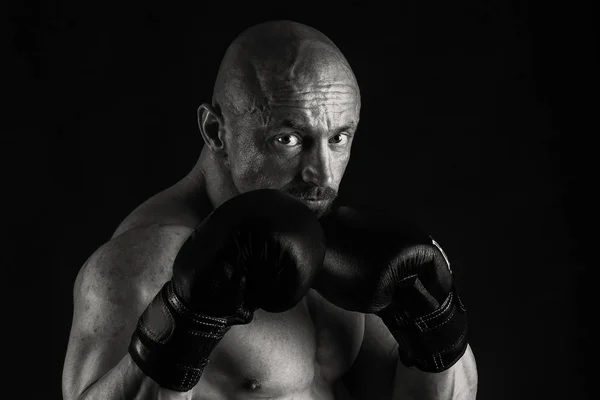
372 373
106 307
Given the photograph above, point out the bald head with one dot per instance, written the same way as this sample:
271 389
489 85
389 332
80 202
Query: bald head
285 109
270 60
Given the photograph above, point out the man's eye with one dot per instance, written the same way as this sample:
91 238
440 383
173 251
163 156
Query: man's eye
340 138
288 140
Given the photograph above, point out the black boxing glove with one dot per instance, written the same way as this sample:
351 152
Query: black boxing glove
376 264
261 249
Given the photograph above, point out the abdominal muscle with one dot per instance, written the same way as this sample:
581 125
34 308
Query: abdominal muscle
300 354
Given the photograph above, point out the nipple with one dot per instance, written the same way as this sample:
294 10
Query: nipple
251 384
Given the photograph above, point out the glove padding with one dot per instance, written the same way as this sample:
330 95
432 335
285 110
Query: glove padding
376 264
261 249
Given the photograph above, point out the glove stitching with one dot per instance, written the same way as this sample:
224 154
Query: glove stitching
218 323
207 335
190 376
434 314
435 361
438 354
158 337
425 328
441 360
453 345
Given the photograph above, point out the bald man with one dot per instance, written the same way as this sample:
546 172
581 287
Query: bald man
284 112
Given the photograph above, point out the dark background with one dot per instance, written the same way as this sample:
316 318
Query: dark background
478 122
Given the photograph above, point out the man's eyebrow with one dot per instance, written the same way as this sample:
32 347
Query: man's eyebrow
294 124
349 127
298 125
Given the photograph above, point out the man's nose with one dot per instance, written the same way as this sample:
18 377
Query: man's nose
317 166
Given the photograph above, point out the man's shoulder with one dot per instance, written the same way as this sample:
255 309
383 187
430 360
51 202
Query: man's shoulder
140 258
181 204
147 241
143 247
141 251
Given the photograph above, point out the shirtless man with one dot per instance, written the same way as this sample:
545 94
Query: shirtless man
152 321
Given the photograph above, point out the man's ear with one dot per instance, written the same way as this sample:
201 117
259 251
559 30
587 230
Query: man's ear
212 128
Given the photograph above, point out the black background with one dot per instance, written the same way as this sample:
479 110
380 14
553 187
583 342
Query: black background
478 121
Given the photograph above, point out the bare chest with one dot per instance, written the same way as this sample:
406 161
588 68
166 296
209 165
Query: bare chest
296 353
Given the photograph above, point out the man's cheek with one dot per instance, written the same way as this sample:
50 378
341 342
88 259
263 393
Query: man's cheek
340 169
254 175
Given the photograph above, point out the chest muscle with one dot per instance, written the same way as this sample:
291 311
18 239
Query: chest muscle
277 355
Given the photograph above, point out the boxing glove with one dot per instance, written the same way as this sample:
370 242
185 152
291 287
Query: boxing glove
261 249
377 264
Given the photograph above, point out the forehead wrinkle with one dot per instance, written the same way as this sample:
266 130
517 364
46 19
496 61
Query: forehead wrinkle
335 98
323 92
292 69
310 66
331 109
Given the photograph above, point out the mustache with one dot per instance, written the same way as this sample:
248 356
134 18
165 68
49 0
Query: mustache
313 193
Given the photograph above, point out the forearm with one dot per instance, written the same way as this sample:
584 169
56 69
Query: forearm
456 383
126 381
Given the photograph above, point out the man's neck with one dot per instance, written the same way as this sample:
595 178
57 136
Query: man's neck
211 173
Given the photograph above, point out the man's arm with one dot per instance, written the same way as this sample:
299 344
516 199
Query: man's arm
378 373
110 293
457 382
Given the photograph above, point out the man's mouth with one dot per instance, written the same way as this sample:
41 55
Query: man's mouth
315 198
313 194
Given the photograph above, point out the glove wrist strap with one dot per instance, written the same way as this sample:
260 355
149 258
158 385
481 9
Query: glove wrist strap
171 343
433 342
